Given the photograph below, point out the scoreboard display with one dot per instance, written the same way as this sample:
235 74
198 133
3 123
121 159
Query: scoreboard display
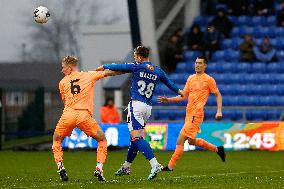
260 136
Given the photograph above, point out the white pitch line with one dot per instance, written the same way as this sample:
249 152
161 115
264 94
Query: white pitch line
224 174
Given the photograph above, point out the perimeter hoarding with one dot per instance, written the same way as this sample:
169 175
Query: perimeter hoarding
163 136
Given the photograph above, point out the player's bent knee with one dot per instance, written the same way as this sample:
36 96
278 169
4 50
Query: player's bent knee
191 141
100 136
56 137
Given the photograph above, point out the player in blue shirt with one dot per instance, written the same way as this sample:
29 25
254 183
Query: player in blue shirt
145 77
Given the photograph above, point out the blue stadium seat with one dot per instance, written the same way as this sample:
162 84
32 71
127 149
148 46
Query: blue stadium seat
272 89
182 103
181 67
260 32
279 78
270 21
220 78
273 41
251 78
202 20
240 89
227 44
235 32
226 67
273 115
257 32
254 90
235 78
234 19
279 45
163 114
244 67
237 42
267 100
279 100
243 20
209 114
190 67
277 89
241 31
259 67
279 31
179 114
272 32
232 114
164 90
212 67
257 20
267 89
191 55
211 101
251 89
255 115
242 101
230 100
274 67
263 78
225 89
218 55
231 55
280 55
248 30
175 77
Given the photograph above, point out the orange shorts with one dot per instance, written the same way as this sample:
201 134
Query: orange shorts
81 119
191 126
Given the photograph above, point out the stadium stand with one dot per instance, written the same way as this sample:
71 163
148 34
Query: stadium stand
246 87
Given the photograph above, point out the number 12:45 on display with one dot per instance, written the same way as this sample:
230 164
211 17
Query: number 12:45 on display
241 141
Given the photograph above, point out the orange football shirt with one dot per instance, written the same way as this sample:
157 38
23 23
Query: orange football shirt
198 88
77 90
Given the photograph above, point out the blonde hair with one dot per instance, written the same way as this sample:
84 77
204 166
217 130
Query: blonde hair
70 60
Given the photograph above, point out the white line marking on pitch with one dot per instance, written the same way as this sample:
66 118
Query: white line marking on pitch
223 174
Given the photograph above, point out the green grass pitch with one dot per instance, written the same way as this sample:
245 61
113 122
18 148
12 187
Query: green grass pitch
197 169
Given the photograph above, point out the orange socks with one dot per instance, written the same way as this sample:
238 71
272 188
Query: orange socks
102 151
176 156
57 151
206 145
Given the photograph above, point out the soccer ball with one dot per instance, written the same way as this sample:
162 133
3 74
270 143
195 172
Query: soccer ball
41 14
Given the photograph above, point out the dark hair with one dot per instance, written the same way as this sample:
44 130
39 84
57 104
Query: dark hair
195 26
204 58
142 51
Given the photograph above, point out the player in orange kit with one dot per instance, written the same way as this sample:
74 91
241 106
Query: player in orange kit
77 93
197 89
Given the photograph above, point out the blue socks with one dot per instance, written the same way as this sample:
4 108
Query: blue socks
132 152
144 147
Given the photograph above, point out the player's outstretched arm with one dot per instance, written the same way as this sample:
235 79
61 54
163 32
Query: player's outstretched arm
112 73
128 67
181 97
218 115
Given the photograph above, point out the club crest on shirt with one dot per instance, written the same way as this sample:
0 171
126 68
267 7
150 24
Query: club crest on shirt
151 68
